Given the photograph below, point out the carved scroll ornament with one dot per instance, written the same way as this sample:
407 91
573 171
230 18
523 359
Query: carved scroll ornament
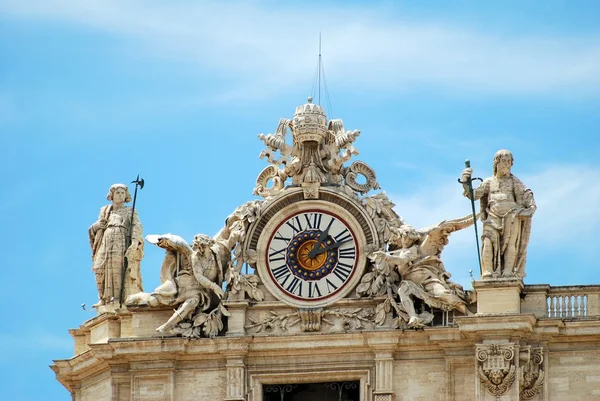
532 375
496 367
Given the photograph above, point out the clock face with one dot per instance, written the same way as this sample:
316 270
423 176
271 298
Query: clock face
311 256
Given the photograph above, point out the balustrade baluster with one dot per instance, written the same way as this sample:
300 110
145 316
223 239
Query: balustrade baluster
576 308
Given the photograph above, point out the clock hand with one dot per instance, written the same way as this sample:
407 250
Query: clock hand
313 252
328 247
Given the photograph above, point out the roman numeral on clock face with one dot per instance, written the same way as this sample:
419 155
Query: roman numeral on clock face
313 289
296 224
277 255
313 220
295 287
280 272
348 253
343 236
342 271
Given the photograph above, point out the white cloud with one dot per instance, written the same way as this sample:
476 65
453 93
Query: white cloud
263 51
568 200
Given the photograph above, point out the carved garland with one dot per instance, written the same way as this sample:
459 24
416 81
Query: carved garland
312 318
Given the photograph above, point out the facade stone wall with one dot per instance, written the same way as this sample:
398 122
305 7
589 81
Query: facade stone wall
574 375
98 390
572 372
434 363
200 385
420 380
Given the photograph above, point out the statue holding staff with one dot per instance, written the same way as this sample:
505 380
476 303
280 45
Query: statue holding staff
108 240
506 207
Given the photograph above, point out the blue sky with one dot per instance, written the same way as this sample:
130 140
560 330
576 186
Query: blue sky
95 92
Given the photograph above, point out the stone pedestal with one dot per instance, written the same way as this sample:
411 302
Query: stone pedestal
145 320
103 327
237 320
498 296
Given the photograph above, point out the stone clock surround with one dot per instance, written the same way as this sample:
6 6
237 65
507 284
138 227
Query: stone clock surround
331 201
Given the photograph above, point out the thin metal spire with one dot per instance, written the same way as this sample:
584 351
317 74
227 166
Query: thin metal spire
320 67
316 88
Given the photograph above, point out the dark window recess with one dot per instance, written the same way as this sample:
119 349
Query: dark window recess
332 391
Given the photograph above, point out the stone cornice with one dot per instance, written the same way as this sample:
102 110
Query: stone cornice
513 325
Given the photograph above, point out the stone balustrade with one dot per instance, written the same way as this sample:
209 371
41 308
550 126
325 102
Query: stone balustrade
561 302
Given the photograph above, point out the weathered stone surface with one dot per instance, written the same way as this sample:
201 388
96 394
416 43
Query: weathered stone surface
109 237
242 310
507 207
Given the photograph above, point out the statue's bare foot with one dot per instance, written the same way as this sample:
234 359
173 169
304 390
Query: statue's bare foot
98 304
164 328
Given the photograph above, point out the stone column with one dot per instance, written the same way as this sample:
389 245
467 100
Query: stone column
384 348
236 378
384 376
235 352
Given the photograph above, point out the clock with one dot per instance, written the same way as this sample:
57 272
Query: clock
311 253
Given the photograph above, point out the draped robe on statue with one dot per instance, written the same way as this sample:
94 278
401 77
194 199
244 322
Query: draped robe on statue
108 252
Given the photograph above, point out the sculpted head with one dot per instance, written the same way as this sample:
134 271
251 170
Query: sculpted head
202 243
503 161
528 379
404 236
117 191
496 377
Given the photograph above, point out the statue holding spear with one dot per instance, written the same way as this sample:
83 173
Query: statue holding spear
117 247
507 207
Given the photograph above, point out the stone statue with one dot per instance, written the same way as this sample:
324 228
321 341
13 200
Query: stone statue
416 256
506 210
108 238
192 277
189 276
